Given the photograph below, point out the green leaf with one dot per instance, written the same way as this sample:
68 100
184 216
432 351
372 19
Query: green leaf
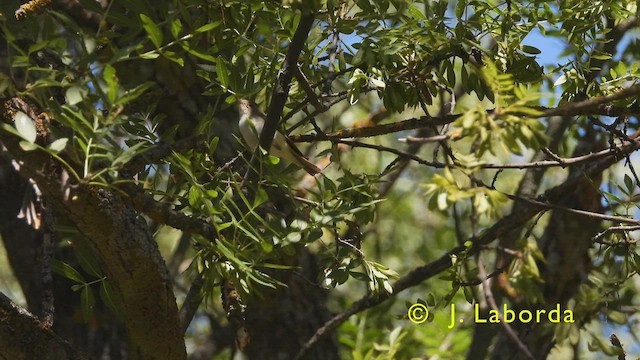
358 58
273 160
431 300
66 270
194 196
127 155
176 28
198 54
134 93
531 49
213 145
416 13
468 294
87 302
58 145
111 79
28 146
86 259
223 72
149 55
628 183
277 266
26 126
109 298
617 317
155 34
76 94
293 237
460 6
171 55
210 26
314 235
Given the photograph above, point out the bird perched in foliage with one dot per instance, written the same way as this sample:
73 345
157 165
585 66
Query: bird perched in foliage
251 124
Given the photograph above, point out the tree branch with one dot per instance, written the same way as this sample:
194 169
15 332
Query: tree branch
22 336
557 161
163 214
586 107
383 129
593 106
280 91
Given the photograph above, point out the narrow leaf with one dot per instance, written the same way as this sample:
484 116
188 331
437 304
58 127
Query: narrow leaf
65 270
155 34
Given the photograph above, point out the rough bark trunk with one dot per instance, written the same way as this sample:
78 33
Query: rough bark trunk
565 245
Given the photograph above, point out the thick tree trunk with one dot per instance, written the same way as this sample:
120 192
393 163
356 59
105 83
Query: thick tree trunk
565 245
281 322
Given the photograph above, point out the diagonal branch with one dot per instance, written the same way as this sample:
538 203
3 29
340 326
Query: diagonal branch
584 107
163 214
280 91
40 343
594 106
410 124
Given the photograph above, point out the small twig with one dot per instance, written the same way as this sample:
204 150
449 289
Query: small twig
489 276
333 51
590 214
386 128
431 139
555 157
482 275
563 162
558 161
502 249
548 205
614 229
633 170
610 128
304 84
228 164
393 151
578 108
495 177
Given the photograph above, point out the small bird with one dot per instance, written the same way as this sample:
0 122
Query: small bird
251 123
